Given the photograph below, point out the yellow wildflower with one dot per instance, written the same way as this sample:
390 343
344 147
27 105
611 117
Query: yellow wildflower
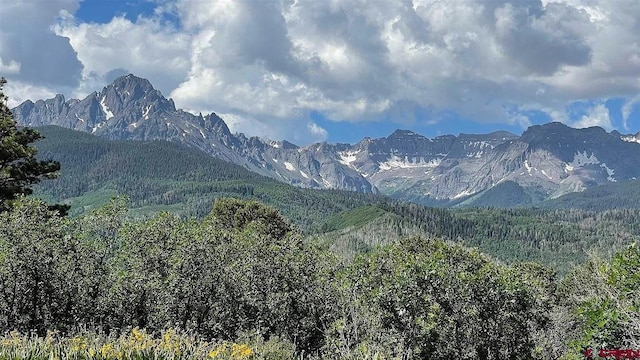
78 343
218 351
92 352
241 351
107 350
137 334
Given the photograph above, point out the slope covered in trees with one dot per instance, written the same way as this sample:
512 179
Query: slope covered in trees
158 175
618 195
557 238
244 275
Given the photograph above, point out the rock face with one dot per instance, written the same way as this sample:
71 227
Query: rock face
547 161
130 108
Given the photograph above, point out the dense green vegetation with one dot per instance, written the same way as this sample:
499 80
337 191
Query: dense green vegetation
243 272
19 168
619 195
158 175
557 238
161 176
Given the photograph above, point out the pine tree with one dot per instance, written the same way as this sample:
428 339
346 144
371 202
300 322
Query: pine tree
19 168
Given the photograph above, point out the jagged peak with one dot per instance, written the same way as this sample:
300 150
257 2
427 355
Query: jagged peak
496 135
132 88
130 81
400 133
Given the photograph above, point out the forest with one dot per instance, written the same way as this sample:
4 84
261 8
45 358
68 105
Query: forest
335 275
244 278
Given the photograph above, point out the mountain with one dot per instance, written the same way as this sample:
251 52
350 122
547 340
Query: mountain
545 162
161 175
131 109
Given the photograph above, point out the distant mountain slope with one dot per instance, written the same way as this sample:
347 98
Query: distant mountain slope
546 162
131 109
159 175
556 238
622 195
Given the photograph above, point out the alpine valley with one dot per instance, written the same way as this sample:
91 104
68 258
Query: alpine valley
545 162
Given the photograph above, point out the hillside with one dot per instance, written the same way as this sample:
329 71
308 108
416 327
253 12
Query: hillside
545 162
160 175
556 238
619 195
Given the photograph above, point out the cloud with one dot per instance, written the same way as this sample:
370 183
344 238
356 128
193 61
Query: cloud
267 65
148 47
317 131
30 51
627 109
353 61
292 130
595 116
19 92
12 67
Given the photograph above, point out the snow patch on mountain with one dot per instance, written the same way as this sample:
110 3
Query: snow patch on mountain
395 162
145 115
462 194
610 172
105 109
632 139
289 166
528 167
347 158
581 159
95 128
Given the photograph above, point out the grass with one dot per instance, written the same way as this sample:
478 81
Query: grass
353 218
138 345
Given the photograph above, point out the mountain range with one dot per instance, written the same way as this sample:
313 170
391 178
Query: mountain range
545 162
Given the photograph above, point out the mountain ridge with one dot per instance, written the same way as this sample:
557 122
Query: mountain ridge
547 160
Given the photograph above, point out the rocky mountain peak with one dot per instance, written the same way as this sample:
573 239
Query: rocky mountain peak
547 160
127 92
132 82
402 134
557 134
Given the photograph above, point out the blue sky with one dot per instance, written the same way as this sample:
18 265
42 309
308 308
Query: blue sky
338 71
102 11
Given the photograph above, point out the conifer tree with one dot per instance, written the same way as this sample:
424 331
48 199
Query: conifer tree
19 168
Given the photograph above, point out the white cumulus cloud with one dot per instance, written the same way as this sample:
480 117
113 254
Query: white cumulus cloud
267 65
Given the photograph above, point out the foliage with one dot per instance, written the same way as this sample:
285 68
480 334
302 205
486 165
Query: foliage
604 301
244 275
209 277
159 175
19 169
424 299
556 238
